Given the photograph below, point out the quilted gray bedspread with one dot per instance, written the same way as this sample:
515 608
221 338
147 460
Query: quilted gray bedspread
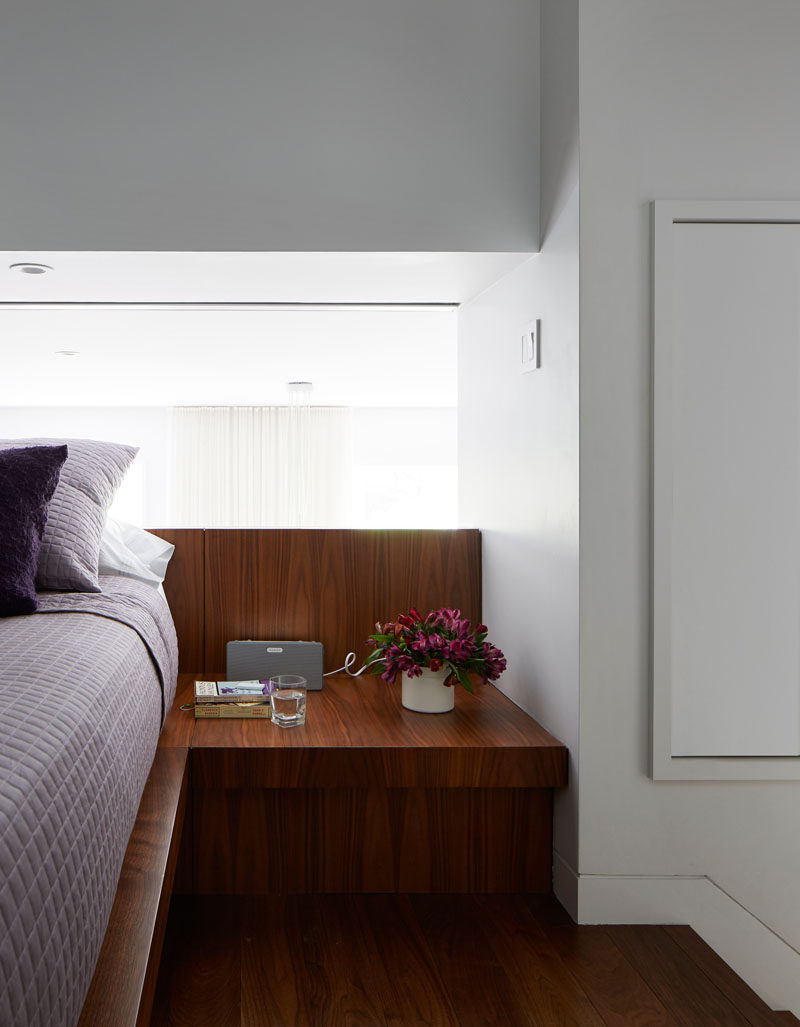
83 688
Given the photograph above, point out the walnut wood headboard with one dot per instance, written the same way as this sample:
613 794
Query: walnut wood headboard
328 586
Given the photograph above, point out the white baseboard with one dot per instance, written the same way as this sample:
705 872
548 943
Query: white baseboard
759 956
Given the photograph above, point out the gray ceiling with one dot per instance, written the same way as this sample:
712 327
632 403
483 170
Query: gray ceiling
251 125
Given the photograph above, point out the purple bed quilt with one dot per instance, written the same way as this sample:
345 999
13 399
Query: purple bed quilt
84 684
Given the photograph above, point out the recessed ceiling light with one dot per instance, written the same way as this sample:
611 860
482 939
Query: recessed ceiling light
30 269
67 352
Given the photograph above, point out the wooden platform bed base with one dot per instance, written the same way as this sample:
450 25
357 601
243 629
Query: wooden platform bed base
124 982
329 586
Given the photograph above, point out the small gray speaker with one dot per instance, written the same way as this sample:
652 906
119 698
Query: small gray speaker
247 660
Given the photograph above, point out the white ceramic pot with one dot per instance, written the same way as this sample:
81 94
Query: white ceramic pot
428 693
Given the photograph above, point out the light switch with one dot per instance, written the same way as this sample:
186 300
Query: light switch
531 345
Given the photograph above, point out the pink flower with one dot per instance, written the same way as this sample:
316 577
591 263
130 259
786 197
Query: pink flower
495 661
442 639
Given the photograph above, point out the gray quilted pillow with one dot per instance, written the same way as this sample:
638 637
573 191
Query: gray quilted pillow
70 549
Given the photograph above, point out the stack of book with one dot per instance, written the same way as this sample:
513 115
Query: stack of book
223 699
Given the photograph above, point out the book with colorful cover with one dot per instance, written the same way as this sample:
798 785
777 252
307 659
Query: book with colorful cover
231 691
232 700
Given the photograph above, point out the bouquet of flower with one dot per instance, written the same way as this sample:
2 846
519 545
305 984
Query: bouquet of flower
442 641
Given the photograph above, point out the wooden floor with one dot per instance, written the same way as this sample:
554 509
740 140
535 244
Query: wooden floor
460 960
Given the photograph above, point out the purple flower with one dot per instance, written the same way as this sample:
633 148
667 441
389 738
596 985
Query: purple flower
459 650
494 660
420 642
441 639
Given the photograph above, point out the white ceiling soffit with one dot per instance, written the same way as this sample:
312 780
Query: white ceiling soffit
96 356
205 277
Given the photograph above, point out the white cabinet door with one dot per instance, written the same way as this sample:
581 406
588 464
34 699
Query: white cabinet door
733 588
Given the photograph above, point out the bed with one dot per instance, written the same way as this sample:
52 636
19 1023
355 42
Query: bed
84 684
88 668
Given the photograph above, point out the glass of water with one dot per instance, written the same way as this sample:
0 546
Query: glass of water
288 700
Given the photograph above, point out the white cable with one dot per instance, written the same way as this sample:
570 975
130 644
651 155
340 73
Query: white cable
349 660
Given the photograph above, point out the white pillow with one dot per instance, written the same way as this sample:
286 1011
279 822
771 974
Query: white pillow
132 552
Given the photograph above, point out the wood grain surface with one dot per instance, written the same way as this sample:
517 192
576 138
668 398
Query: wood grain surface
202 956
177 733
476 983
653 954
179 724
369 797
357 734
546 986
122 988
320 585
184 587
293 841
620 995
330 586
449 961
721 975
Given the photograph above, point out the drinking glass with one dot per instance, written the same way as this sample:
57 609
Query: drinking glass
288 700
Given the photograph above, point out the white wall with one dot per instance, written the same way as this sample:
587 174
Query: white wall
404 460
269 125
143 497
518 435
405 467
678 100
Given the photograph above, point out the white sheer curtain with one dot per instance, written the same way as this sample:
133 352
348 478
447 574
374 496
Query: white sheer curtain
238 467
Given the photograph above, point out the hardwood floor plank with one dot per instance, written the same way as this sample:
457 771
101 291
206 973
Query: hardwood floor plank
548 910
480 990
717 970
273 985
348 983
552 997
418 996
619 994
200 980
435 960
682 986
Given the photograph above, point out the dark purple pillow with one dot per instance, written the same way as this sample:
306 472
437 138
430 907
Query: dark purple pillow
28 479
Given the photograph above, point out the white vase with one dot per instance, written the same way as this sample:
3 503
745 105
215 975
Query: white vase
428 693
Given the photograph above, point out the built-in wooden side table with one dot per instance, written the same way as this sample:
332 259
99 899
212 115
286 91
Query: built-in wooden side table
369 797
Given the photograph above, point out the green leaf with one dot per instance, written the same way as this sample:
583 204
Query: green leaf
462 676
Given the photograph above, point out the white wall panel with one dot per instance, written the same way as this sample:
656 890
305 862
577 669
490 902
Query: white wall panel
735 518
